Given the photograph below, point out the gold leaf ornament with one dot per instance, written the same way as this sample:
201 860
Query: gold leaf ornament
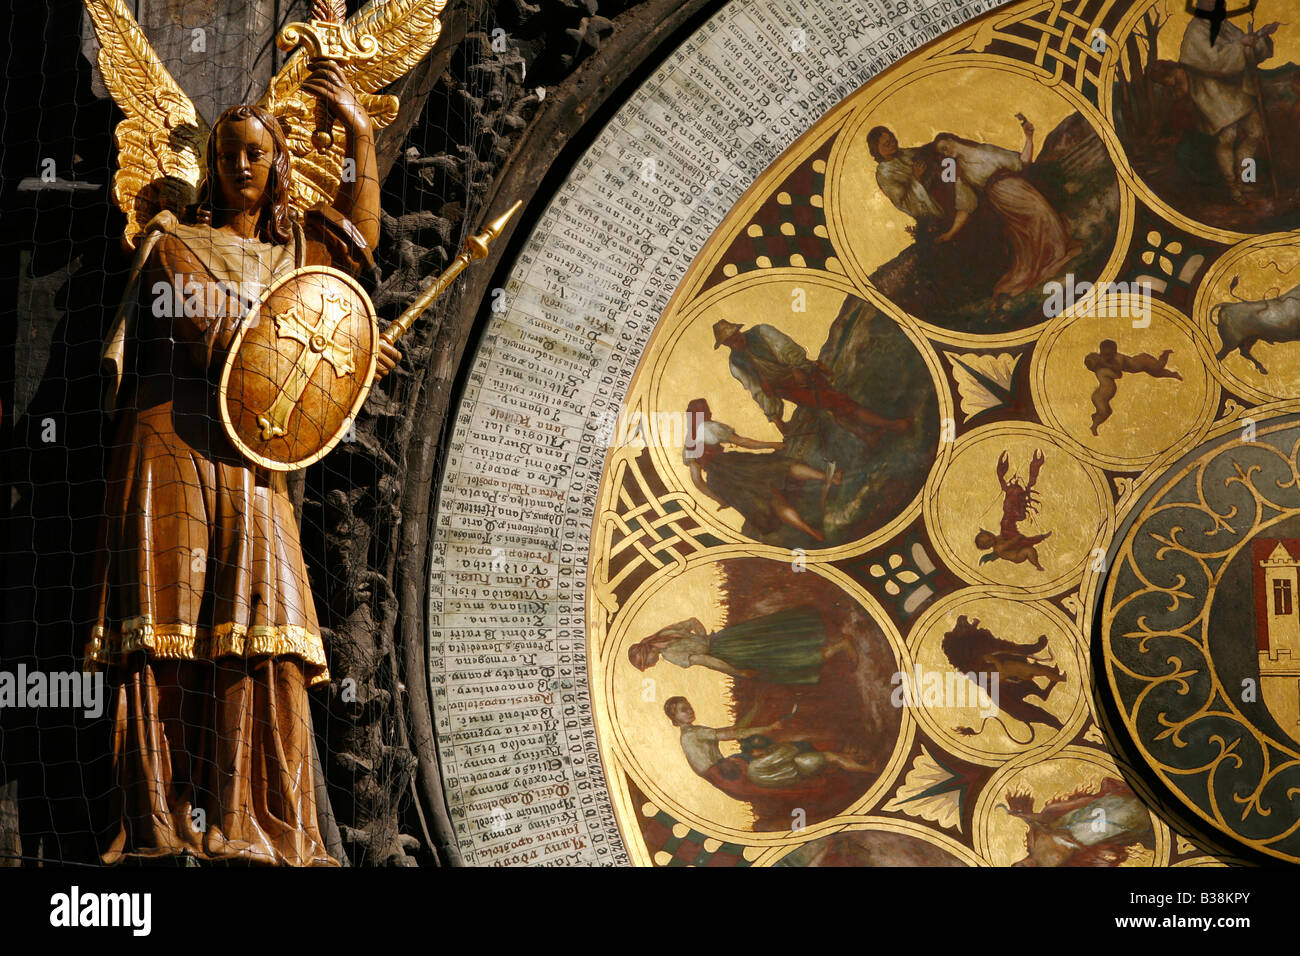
403 33
160 142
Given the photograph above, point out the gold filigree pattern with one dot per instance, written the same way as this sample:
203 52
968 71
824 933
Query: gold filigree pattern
1018 390
649 529
1067 42
1191 711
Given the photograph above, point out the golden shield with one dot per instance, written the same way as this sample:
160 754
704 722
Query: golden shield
299 368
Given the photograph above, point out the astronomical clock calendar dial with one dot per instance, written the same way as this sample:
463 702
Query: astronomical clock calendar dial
907 434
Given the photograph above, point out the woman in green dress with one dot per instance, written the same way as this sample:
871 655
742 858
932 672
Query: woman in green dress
788 647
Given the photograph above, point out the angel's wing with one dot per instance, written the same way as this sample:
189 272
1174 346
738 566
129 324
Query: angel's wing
160 142
405 30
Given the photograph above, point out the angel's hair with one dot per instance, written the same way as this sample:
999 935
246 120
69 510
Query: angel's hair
273 225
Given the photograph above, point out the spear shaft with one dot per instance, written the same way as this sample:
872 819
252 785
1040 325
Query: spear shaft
476 247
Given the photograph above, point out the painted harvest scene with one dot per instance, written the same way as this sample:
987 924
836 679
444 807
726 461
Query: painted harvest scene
959 419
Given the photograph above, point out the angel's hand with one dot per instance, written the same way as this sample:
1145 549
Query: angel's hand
389 356
327 82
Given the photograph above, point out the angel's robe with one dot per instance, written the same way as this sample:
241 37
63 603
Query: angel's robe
206 624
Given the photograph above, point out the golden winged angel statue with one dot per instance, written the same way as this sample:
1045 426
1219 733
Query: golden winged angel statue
206 626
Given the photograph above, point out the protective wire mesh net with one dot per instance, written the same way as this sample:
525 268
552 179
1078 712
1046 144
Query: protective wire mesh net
217 621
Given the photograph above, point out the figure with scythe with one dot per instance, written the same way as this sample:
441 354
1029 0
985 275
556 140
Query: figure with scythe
1222 65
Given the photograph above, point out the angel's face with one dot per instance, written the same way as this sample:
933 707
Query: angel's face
245 154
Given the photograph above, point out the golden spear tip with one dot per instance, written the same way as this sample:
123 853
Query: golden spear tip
478 245
498 225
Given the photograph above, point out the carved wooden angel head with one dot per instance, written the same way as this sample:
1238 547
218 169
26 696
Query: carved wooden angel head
161 141
248 165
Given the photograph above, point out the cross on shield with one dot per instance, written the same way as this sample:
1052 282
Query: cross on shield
299 368
321 345
291 386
